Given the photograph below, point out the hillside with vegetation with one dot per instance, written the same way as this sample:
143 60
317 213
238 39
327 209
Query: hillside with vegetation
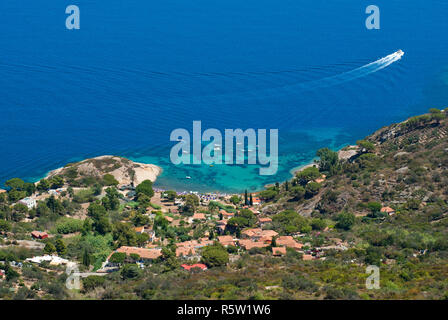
381 202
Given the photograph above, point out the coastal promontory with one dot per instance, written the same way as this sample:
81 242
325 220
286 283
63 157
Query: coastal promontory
123 170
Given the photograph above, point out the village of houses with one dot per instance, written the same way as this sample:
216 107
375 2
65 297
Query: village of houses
259 236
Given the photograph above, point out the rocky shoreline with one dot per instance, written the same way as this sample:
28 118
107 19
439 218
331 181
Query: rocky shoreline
123 170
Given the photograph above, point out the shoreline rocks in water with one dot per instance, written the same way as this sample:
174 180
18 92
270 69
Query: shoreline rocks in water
123 170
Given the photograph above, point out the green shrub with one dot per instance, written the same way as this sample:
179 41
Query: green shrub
68 225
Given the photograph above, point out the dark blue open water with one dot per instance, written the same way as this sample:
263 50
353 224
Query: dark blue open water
136 70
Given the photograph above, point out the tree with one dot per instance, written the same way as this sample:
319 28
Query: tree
130 271
311 189
19 211
307 175
96 189
169 258
110 201
2 197
235 199
298 192
268 194
438 116
329 161
142 238
289 221
92 282
10 273
215 255
140 220
375 209
49 248
245 218
96 210
345 220
124 234
87 226
42 209
145 188
191 202
118 257
213 206
5 226
251 200
369 146
134 257
318 224
55 205
16 195
86 258
99 217
171 195
109 180
30 188
373 256
43 185
60 247
56 182
15 184
246 202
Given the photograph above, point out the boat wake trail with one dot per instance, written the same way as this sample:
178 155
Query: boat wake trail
356 73
329 81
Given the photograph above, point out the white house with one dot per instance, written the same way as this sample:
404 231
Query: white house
29 202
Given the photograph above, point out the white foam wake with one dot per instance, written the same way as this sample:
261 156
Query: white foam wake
313 84
356 73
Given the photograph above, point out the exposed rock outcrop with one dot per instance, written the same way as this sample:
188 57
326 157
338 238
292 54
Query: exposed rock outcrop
123 170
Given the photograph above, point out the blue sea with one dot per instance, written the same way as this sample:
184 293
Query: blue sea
136 70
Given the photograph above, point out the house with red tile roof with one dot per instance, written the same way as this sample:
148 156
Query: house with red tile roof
226 215
185 251
288 241
192 266
139 230
388 210
249 244
39 235
278 251
263 221
226 240
146 254
197 216
221 229
204 242
258 234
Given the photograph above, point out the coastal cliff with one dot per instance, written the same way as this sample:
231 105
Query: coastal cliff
403 164
123 170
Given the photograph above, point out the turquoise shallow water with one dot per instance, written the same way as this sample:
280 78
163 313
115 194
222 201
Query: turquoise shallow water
137 70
